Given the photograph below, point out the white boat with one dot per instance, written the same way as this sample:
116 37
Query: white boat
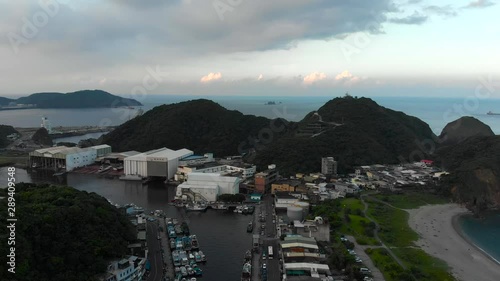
184 271
203 257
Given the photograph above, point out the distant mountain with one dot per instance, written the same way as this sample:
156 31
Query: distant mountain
5 101
200 125
354 131
80 99
464 128
4 132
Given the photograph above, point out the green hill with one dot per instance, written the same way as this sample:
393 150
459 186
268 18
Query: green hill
475 171
200 125
4 132
354 131
63 234
79 99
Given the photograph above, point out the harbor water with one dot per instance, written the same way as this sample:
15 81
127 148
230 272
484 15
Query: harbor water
222 236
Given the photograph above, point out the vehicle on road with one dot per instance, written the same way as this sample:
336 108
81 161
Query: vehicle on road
270 252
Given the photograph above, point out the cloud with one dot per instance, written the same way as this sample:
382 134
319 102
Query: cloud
347 77
416 18
445 11
314 77
211 77
260 77
479 4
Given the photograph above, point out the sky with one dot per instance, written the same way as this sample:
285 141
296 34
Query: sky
251 47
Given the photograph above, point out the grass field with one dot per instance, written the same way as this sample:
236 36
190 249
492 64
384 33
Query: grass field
396 234
357 222
391 270
394 229
412 200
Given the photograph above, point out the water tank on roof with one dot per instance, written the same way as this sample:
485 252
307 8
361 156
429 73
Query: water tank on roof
304 206
294 213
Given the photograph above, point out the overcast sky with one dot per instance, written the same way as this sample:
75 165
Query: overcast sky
250 47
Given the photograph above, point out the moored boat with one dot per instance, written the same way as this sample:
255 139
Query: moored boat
250 227
194 242
246 273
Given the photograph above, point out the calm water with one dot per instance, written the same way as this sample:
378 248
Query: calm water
223 237
437 112
485 233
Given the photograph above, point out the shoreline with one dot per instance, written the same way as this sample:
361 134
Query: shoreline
440 236
459 231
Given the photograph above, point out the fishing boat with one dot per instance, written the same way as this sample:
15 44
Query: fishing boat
176 257
172 243
185 228
203 257
59 174
197 271
248 256
246 273
250 227
190 271
197 257
194 242
492 113
184 271
196 208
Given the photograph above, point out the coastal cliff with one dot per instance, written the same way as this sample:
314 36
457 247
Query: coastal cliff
473 160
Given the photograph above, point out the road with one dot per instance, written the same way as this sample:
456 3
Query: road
273 265
154 255
360 251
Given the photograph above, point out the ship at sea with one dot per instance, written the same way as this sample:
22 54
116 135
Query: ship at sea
492 113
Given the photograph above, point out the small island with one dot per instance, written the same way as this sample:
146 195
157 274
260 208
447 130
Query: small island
79 99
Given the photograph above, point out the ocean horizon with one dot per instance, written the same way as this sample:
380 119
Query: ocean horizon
435 111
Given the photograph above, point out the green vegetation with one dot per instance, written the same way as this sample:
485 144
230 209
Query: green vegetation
63 234
422 266
394 229
4 132
11 158
79 99
41 136
412 200
5 101
200 125
346 217
391 270
474 165
370 134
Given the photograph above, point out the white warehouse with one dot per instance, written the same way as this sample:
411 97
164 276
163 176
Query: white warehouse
161 162
66 158
208 185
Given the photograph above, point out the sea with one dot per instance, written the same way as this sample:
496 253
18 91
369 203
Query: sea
436 112
483 232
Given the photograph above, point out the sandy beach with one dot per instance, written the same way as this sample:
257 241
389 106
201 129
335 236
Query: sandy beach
438 237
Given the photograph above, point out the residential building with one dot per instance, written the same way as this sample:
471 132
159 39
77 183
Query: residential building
282 200
328 166
301 256
263 180
284 185
131 268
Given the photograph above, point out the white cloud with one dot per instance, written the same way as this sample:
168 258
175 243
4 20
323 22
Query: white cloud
211 77
344 75
260 77
314 77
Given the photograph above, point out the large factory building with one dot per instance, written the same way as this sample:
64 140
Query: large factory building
161 162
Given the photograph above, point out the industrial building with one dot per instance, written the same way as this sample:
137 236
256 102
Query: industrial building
161 162
207 186
66 158
244 170
328 166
